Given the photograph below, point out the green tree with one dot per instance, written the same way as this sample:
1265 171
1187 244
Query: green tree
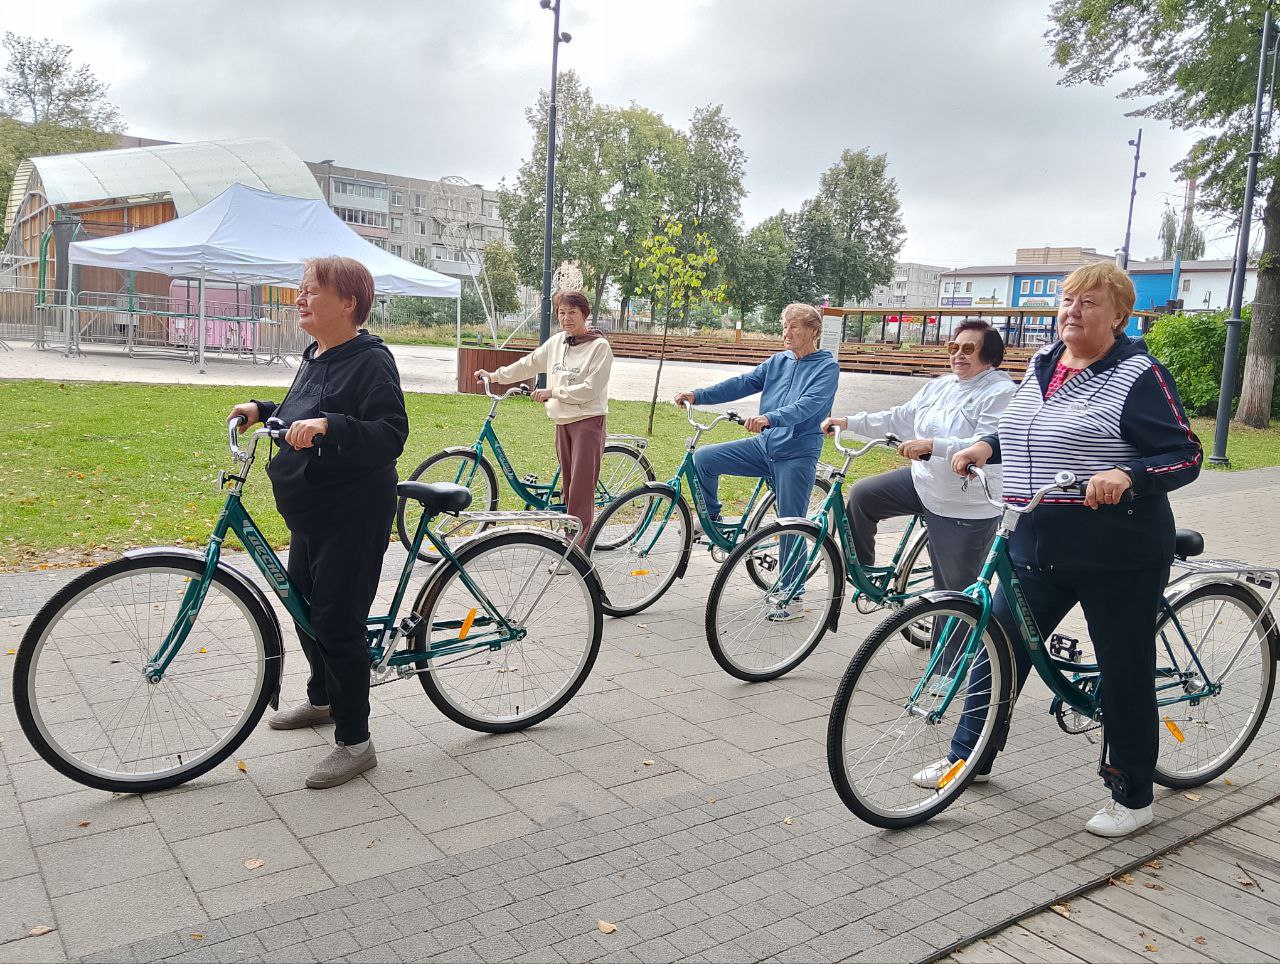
756 268
858 221
1198 66
47 106
1170 229
672 272
809 231
501 283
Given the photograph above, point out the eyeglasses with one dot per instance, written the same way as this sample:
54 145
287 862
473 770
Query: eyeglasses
968 348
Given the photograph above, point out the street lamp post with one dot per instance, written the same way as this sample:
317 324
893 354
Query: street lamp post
557 38
1133 193
1227 389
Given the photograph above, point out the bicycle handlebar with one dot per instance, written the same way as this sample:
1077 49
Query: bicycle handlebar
726 417
889 441
515 390
275 432
1062 482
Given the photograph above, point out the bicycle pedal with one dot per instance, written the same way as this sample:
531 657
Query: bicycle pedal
1064 648
1114 780
530 479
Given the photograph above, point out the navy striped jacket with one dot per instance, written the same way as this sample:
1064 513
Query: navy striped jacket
1122 410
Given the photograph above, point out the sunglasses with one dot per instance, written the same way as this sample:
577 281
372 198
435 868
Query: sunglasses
968 348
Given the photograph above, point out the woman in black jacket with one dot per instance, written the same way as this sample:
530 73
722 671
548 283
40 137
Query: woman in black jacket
338 499
1095 404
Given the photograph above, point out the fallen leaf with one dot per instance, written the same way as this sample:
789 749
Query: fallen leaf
1150 947
39 931
648 763
787 821
253 863
197 936
1199 940
1246 882
1227 782
1156 864
83 823
1193 797
1062 910
711 799
242 766
1122 879
604 927
1153 886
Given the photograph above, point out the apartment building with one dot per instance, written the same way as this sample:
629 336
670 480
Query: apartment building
914 285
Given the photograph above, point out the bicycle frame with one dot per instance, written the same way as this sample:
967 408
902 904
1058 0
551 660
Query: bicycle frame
722 535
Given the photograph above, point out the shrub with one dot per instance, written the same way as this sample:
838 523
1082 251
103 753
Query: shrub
1191 347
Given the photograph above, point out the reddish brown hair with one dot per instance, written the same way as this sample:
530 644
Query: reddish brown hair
575 299
347 278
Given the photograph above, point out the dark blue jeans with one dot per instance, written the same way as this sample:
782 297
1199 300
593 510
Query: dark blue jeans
1120 609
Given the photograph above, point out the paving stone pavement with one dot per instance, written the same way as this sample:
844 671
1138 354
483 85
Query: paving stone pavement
464 846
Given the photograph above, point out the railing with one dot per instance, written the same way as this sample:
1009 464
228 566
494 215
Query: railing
20 317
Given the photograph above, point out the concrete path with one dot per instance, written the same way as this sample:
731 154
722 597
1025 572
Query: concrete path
693 812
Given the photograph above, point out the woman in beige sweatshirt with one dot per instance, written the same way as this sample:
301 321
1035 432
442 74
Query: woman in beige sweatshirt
577 361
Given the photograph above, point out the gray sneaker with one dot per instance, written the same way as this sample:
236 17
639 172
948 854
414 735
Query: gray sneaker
296 717
340 766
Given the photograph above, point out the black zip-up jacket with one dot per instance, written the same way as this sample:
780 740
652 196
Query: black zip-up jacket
356 386
1123 411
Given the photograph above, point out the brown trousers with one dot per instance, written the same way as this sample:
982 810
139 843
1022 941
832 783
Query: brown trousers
579 449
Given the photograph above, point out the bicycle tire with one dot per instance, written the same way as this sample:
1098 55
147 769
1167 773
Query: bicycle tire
742 624
902 585
881 714
616 571
484 497
1182 723
619 479
27 701
495 663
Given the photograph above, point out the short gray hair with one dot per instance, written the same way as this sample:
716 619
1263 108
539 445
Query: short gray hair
808 315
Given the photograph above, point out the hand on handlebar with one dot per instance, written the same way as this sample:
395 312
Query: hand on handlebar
248 414
302 433
1107 488
829 425
684 398
541 395
756 423
483 376
979 453
917 449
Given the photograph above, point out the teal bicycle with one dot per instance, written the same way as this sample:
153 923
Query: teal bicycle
146 672
641 543
782 588
898 707
622 467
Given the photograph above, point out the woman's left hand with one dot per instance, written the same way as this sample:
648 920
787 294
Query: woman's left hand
541 395
1107 488
917 448
756 423
302 433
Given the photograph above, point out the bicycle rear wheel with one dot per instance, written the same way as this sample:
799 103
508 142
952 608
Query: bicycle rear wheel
82 690
526 680
1226 639
638 546
915 575
885 730
457 466
760 633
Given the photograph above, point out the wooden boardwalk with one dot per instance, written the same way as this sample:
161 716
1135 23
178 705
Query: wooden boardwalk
1216 899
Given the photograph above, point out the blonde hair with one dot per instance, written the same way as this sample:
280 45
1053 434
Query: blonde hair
1108 275
808 315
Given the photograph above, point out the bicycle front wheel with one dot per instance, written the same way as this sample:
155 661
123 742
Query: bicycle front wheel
889 732
759 633
1215 672
84 694
557 618
767 515
638 546
459 467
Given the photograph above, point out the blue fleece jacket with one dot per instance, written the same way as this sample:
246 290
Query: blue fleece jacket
796 395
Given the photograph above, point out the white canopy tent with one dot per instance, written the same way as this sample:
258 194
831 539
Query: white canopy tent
249 236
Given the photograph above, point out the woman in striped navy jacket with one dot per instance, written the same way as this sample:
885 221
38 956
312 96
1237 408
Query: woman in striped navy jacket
1095 404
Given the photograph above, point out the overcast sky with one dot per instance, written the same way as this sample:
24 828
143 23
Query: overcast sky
989 152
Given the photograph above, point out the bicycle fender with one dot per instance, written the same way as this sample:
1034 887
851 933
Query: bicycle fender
1268 621
460 450
240 578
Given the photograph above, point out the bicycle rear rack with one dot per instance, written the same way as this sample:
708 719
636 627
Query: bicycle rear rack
638 442
554 520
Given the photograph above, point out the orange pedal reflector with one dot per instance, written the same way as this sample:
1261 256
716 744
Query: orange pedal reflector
950 774
639 572
1173 728
466 623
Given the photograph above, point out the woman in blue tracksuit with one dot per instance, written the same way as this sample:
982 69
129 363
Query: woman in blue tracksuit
797 387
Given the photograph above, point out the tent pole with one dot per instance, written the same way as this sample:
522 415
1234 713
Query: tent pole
458 305
200 334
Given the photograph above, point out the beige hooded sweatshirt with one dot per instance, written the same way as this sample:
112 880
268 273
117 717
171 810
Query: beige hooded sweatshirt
578 375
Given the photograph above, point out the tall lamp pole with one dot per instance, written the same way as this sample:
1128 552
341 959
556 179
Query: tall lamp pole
1227 389
557 38
1133 193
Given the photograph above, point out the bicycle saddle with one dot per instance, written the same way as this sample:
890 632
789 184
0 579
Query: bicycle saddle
1187 542
436 496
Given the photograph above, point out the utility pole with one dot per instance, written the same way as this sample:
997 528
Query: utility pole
544 322
1227 389
1188 210
1133 193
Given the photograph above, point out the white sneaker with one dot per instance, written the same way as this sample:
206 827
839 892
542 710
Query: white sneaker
927 779
1117 820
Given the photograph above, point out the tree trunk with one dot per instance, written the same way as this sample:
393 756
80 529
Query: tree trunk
622 311
595 304
1258 384
662 356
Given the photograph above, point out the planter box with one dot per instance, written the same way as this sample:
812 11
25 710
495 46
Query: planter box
472 359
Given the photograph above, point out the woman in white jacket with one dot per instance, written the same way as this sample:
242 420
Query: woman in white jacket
577 361
945 416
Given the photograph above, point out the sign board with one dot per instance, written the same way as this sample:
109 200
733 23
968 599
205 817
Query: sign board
832 330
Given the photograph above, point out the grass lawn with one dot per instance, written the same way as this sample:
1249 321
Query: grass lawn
93 468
